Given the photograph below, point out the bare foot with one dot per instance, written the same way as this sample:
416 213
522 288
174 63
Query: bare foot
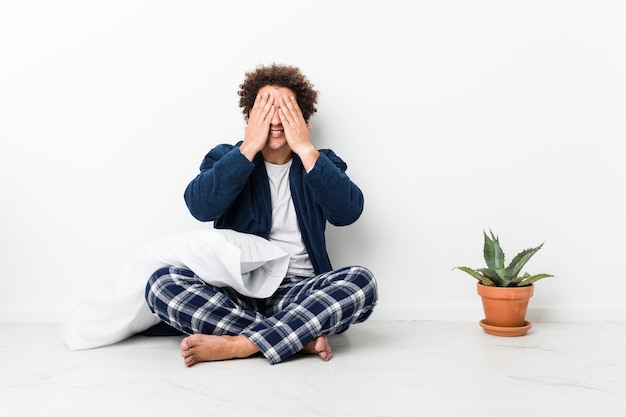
319 346
203 348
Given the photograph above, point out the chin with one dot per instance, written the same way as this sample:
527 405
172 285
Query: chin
276 144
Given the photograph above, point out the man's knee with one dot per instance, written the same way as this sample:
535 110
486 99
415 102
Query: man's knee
160 279
365 279
159 274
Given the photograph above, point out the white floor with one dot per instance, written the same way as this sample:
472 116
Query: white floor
419 368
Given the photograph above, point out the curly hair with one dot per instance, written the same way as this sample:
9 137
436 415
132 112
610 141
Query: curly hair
279 76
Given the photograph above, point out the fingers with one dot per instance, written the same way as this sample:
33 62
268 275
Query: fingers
261 114
289 111
263 109
297 131
258 125
293 121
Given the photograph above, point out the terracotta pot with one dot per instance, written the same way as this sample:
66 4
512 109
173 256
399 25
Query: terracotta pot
505 306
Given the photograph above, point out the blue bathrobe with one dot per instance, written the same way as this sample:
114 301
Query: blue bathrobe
234 193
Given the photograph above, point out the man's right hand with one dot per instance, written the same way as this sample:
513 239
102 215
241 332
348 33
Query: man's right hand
257 130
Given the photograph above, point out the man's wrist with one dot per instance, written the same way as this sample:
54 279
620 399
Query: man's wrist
309 157
247 151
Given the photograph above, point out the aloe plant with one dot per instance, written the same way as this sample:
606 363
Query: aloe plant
498 275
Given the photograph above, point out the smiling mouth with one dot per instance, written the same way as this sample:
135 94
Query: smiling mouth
276 131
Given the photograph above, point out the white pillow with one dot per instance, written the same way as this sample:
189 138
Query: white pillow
249 264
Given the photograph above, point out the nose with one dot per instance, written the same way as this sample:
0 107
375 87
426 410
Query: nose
276 118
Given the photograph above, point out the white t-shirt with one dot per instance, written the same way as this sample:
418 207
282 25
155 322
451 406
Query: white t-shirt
285 232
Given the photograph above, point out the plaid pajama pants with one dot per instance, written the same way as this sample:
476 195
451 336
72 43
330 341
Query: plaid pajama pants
300 310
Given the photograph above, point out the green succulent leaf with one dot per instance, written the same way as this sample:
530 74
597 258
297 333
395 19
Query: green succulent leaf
494 256
528 279
493 276
489 252
480 277
516 265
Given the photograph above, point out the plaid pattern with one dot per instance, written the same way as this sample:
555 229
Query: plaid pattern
300 310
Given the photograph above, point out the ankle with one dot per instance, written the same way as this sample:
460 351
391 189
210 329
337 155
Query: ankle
243 347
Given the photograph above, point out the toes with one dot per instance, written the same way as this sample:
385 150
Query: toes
189 361
184 345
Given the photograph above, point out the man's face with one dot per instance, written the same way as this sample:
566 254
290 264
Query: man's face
276 137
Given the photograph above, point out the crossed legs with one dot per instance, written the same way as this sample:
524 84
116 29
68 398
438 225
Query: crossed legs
223 324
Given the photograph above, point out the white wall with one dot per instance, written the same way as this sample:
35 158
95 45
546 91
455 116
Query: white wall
454 117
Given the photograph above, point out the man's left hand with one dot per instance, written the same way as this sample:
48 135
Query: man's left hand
297 132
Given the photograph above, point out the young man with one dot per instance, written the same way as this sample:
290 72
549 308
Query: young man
277 185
